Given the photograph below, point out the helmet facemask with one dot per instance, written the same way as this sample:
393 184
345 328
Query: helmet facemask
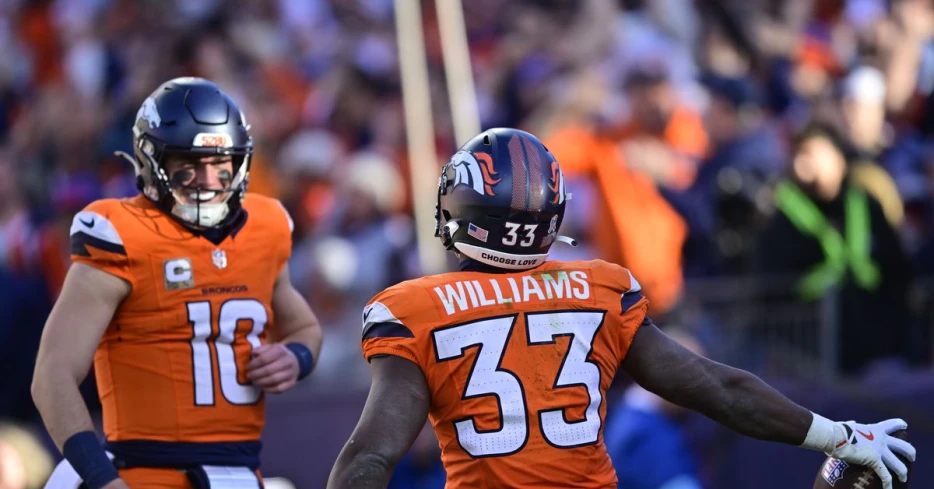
194 205
198 205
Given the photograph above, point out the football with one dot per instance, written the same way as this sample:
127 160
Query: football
837 474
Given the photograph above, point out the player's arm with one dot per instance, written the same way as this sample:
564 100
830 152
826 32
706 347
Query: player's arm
296 341
395 413
744 403
732 397
72 333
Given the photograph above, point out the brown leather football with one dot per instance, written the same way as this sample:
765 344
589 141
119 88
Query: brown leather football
837 474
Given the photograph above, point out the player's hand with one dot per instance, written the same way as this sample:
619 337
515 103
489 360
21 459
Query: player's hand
871 445
116 484
273 368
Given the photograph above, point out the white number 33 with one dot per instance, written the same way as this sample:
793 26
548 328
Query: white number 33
512 236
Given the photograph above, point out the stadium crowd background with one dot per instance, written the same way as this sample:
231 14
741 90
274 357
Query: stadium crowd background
674 121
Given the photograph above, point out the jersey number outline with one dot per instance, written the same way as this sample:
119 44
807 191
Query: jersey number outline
231 312
488 378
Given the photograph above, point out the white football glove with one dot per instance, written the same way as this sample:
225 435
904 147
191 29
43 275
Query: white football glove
871 446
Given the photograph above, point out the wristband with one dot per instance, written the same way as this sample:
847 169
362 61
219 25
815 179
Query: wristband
85 454
821 435
306 360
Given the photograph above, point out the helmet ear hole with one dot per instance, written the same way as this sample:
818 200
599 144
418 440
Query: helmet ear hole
486 140
447 234
446 215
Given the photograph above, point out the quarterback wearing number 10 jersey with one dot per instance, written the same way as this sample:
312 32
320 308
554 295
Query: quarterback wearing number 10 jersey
517 364
191 302
182 296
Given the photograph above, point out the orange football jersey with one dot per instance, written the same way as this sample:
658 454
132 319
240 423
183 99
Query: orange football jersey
518 365
171 366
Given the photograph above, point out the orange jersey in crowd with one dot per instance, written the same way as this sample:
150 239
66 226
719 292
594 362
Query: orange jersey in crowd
518 365
171 366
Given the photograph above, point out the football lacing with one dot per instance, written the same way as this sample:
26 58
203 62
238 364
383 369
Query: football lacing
864 479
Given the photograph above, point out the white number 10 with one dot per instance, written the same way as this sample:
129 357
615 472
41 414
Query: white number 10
231 312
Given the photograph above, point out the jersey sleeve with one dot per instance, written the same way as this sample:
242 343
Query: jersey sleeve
632 306
291 229
96 241
392 321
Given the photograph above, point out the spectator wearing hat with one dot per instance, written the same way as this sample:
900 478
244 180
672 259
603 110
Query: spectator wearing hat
863 108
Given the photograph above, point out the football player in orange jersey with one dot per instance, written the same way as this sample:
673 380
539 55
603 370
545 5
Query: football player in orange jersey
182 298
511 357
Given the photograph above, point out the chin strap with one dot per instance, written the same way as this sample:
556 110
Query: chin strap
202 215
136 165
566 240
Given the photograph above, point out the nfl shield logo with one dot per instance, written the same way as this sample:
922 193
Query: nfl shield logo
833 470
220 258
553 225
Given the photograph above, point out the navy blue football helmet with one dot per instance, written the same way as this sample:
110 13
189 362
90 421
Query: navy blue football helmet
190 117
501 200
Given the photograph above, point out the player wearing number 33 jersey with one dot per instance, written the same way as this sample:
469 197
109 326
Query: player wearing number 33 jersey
510 358
517 365
183 297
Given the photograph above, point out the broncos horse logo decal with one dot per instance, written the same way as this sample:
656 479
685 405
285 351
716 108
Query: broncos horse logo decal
556 184
475 170
149 113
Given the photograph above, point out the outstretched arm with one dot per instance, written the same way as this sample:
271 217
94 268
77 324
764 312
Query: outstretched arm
744 403
732 397
394 414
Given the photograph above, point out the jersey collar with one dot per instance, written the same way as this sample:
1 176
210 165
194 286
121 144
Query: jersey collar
469 265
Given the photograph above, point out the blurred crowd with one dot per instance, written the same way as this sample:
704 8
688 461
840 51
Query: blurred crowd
701 140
